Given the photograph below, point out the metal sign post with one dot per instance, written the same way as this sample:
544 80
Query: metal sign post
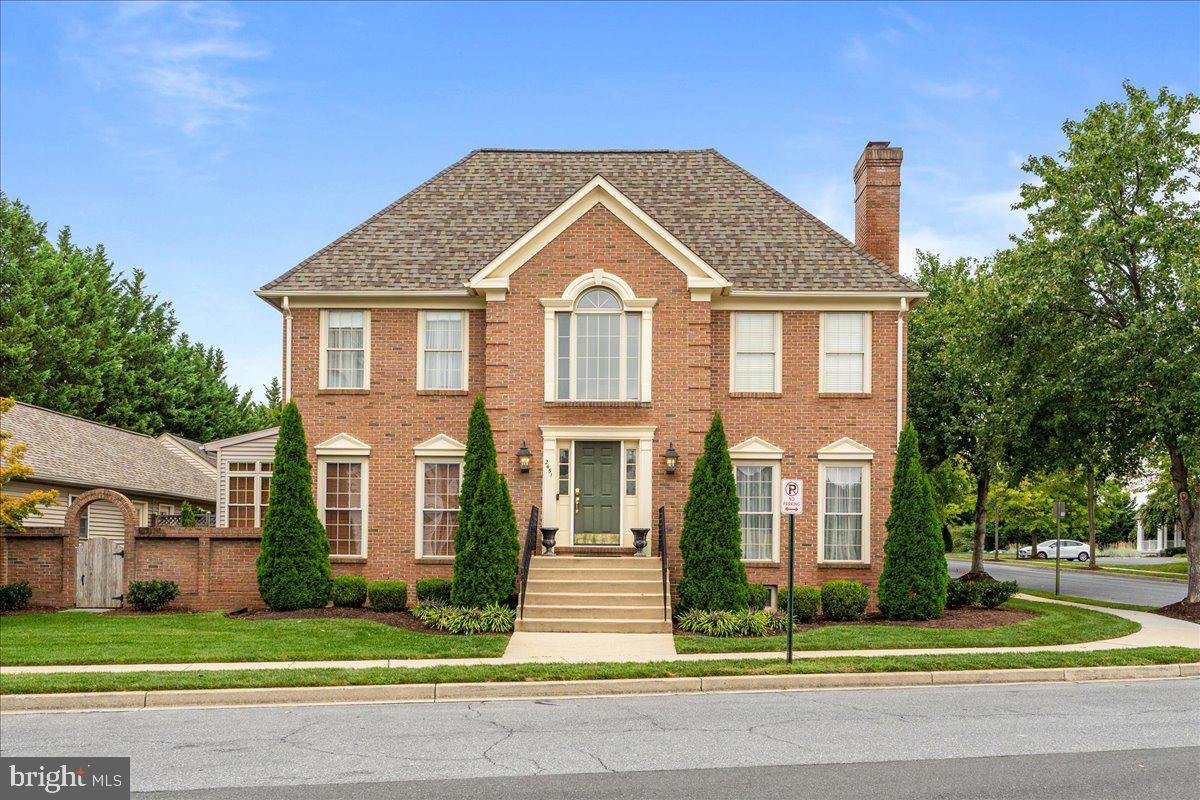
1060 511
792 503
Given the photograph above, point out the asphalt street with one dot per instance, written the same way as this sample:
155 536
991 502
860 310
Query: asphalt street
1080 583
1130 739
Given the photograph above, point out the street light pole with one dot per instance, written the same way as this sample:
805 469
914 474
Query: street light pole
1060 511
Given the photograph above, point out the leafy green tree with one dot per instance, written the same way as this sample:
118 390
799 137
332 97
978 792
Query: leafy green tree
78 337
1114 241
486 547
293 565
912 584
714 577
187 515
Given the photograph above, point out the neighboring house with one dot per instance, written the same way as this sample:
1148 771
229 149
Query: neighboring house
243 472
1151 541
74 455
606 304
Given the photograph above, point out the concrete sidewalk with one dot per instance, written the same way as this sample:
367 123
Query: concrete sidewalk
583 648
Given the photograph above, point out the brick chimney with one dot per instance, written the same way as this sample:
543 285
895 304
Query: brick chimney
877 202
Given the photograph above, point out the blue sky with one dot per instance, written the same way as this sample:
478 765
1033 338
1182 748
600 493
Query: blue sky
214 146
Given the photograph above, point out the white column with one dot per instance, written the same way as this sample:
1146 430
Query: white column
549 482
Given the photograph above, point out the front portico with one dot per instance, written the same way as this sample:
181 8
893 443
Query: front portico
597 482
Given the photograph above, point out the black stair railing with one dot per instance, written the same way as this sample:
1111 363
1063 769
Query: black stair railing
662 554
527 554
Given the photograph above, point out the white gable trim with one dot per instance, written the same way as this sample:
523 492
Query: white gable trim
756 447
213 447
492 280
440 445
343 445
846 449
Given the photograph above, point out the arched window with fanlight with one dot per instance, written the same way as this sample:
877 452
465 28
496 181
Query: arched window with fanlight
598 349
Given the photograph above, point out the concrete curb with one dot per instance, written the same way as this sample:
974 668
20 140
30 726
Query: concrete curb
532 690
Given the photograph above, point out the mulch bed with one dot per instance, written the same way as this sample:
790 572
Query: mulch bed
961 619
1182 610
396 619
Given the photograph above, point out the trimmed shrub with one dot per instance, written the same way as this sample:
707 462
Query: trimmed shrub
15 596
388 595
433 590
487 550
1174 551
731 623
151 595
806 603
187 515
714 577
293 565
994 593
844 601
493 618
349 591
960 594
759 596
912 584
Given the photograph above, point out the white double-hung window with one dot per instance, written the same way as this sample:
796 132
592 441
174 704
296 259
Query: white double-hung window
442 363
598 349
345 347
845 352
755 345
756 510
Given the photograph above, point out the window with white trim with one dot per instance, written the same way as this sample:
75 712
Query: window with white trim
343 505
247 493
598 349
756 510
755 345
842 513
443 362
844 352
345 349
630 471
440 484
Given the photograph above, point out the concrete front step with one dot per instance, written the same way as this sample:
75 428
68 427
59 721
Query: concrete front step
586 586
556 573
545 598
569 625
649 613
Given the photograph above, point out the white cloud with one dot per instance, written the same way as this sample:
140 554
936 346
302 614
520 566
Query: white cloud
180 58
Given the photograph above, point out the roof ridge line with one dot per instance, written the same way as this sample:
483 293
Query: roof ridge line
616 151
88 421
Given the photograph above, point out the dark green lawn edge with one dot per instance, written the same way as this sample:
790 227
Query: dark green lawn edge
1105 569
510 673
1088 601
1053 624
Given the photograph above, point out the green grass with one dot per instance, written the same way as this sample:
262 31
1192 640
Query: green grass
224 679
1087 600
1051 625
76 637
1174 568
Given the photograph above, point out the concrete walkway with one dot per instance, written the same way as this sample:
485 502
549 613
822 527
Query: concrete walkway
576 648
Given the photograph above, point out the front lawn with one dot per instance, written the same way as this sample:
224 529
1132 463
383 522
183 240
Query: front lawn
227 679
1053 624
76 637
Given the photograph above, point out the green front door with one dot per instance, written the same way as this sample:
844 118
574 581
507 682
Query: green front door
597 493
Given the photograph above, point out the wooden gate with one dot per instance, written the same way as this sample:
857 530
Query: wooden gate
99 573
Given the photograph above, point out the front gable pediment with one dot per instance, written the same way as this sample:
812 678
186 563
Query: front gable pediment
756 447
440 445
846 449
492 280
343 445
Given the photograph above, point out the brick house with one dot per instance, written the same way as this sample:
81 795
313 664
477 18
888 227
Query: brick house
605 304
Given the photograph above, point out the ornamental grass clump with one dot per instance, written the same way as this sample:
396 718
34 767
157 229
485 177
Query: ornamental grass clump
912 585
293 565
731 623
714 577
493 618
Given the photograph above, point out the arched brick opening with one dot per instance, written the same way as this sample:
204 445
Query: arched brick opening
71 521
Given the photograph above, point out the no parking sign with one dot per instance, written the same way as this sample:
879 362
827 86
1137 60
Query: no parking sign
791 494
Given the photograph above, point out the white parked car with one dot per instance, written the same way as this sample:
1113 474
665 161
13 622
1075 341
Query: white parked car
1072 550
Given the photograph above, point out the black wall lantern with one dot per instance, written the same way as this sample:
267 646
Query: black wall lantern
524 457
671 458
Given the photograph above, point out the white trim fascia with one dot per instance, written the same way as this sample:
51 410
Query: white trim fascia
830 293
598 433
212 447
464 338
596 191
756 448
739 302
343 444
188 455
440 446
845 449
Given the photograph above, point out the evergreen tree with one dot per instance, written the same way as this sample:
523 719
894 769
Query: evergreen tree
293 566
714 577
481 450
913 582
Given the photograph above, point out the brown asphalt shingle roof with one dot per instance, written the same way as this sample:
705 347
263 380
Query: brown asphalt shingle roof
447 229
65 449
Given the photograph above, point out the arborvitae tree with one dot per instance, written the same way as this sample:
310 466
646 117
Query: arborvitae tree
187 515
293 566
913 582
714 577
486 547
